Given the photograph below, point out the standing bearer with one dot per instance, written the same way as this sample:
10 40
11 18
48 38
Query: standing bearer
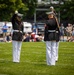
57 44
17 36
51 37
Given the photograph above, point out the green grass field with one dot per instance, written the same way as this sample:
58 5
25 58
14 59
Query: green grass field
33 60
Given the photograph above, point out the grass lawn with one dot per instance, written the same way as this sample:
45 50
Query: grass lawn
33 60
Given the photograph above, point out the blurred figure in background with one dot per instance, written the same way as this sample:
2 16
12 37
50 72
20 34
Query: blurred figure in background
72 34
62 29
35 28
27 37
4 29
69 31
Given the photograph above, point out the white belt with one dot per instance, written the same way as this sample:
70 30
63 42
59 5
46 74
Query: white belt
17 31
51 30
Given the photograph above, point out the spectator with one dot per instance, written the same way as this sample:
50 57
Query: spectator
62 28
73 34
69 31
4 29
37 37
34 28
26 37
9 39
72 37
33 37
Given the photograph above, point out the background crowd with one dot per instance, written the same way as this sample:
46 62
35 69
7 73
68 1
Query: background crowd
66 34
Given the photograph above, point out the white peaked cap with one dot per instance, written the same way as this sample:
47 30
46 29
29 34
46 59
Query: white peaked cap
49 13
20 15
52 7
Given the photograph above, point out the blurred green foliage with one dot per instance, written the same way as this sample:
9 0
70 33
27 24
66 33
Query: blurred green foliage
8 7
27 7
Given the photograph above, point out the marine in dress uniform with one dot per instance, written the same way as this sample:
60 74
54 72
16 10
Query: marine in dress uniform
55 16
51 37
17 35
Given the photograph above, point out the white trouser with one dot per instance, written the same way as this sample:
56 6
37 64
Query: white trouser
16 50
57 47
51 52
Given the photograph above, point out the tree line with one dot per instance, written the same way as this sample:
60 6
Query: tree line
27 7
8 7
